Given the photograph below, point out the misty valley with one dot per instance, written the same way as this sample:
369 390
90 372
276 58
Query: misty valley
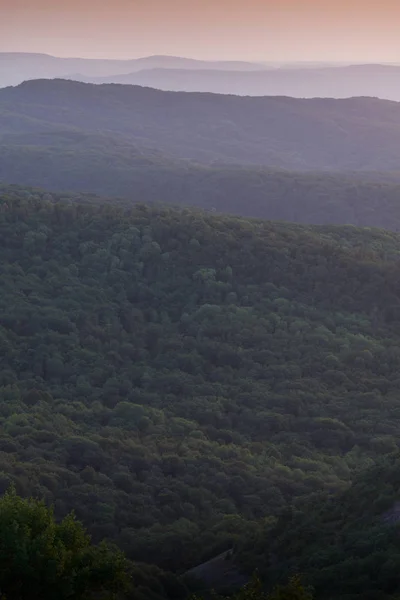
199 330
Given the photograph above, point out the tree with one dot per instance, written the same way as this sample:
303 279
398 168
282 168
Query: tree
42 559
294 590
254 590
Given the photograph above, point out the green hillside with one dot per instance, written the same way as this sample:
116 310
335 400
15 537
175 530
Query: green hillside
348 547
174 377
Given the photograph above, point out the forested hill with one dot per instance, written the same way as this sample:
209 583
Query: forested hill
176 377
311 134
137 143
108 166
346 547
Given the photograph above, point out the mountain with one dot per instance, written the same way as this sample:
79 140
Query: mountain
15 67
382 81
176 377
101 139
219 76
111 166
347 546
357 134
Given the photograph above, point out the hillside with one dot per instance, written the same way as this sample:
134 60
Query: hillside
358 134
321 82
347 546
111 166
174 377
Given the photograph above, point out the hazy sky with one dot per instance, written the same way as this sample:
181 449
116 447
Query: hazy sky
359 30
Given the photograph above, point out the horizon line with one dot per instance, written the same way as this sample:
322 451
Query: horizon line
348 62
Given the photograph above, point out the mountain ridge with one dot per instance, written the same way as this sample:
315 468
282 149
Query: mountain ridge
336 81
17 67
351 134
110 166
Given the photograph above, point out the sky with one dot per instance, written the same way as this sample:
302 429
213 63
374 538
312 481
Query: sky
266 30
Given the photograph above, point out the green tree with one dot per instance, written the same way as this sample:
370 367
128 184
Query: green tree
42 559
254 590
294 590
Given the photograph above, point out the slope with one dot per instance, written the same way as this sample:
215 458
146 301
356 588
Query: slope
174 377
347 545
320 134
112 166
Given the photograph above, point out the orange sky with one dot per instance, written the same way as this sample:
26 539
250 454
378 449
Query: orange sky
358 30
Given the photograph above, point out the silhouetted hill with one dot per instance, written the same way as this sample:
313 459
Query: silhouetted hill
227 77
381 81
314 134
16 67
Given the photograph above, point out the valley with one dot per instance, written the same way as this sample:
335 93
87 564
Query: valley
199 305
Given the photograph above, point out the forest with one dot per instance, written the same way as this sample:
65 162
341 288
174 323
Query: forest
223 154
99 164
347 544
184 380
41 557
319 134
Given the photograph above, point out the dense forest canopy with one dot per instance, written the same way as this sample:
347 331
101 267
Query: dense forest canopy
348 546
40 558
176 377
206 394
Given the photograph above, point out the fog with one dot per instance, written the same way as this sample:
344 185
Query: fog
244 78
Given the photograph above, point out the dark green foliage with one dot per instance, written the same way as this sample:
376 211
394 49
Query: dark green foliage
40 559
174 377
348 545
255 590
151 583
294 590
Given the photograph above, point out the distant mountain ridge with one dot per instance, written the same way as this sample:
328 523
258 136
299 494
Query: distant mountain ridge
357 134
111 166
17 67
174 73
220 153
381 81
